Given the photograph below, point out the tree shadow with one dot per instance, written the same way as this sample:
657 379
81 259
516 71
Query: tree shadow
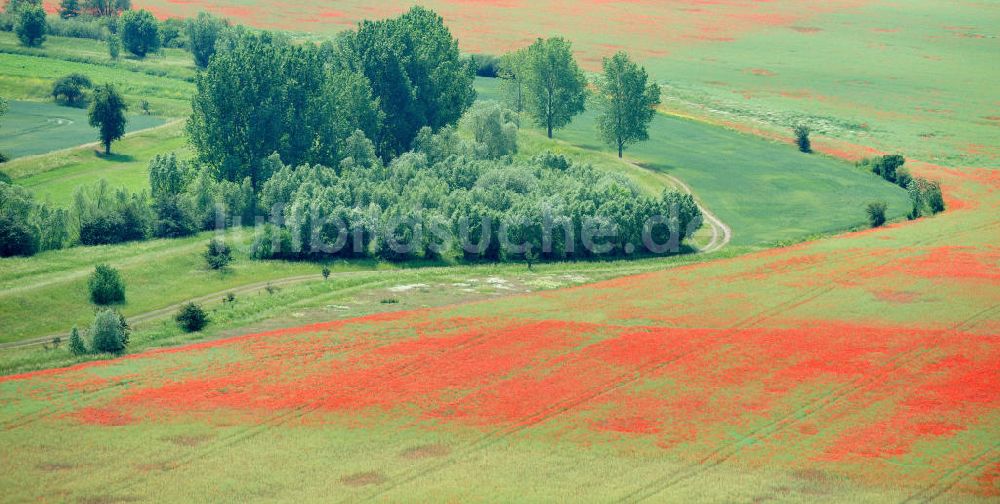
115 158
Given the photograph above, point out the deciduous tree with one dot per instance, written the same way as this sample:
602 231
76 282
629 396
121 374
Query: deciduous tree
628 101
554 84
107 114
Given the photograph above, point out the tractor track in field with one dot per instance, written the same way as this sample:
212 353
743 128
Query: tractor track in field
633 376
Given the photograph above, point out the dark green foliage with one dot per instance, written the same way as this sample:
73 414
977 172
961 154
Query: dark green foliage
27 227
413 65
31 26
107 114
107 8
109 332
106 217
326 272
555 89
628 102
71 88
261 96
4 178
106 286
218 255
15 6
802 138
76 344
511 70
876 213
888 167
486 65
203 33
140 32
191 318
173 33
445 199
69 9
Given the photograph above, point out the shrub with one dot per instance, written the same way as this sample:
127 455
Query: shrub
4 178
76 344
802 139
889 168
31 26
106 286
876 213
109 332
495 129
17 238
218 255
191 318
326 272
71 88
114 46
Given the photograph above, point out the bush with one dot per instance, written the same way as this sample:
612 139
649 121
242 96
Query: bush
926 197
31 26
76 344
106 286
114 46
191 318
802 139
71 88
495 129
889 168
4 178
79 27
17 238
876 213
109 332
218 255
326 272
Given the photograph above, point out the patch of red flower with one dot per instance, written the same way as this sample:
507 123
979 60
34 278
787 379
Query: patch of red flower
104 416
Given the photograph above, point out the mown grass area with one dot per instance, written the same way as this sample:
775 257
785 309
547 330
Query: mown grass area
24 77
768 192
56 176
36 128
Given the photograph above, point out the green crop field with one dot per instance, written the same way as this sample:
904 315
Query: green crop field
799 359
36 128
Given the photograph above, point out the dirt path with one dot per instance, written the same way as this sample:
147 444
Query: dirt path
721 233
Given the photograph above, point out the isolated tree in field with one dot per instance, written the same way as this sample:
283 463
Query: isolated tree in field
510 71
802 138
109 332
76 344
69 9
107 114
107 7
203 34
106 286
556 89
218 255
71 88
140 32
628 100
191 318
876 213
31 26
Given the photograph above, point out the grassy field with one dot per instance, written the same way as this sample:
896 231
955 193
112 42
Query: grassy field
36 128
782 195
861 368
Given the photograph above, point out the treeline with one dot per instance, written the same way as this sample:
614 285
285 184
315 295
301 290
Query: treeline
925 195
114 21
451 198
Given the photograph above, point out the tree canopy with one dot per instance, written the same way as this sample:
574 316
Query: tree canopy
30 25
203 33
71 88
555 87
628 102
107 114
140 32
